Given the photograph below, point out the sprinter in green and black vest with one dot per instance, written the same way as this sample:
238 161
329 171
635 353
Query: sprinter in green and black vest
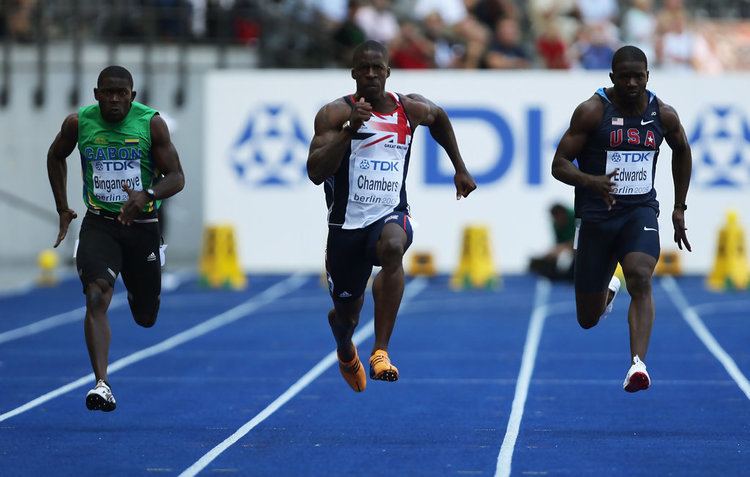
124 147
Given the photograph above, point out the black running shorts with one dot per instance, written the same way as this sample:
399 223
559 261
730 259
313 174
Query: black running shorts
351 254
107 248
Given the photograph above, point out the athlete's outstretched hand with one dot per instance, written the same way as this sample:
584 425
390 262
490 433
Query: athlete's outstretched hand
680 237
66 217
604 185
361 113
137 200
464 184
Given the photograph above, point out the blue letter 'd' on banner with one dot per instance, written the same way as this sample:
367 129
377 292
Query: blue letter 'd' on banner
499 167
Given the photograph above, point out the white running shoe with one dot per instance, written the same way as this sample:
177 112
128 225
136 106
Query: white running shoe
101 398
614 287
637 378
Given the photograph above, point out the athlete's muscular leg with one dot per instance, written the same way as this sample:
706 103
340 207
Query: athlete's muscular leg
144 309
591 305
589 308
388 287
96 325
638 268
344 318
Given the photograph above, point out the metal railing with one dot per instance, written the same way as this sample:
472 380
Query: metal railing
279 32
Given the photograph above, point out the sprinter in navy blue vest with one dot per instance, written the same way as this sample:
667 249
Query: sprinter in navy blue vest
614 136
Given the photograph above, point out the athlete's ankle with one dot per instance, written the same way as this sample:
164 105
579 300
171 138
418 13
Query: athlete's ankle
379 348
346 353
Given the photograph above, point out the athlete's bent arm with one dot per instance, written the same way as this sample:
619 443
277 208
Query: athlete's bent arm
330 142
57 171
166 162
422 111
585 120
682 165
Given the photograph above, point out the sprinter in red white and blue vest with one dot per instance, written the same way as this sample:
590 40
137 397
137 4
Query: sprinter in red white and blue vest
361 151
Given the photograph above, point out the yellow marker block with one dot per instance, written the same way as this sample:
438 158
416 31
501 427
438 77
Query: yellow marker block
422 264
619 273
668 264
476 268
730 270
219 266
47 261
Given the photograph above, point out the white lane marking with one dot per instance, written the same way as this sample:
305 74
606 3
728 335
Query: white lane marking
267 296
54 321
725 306
699 328
536 324
72 316
412 289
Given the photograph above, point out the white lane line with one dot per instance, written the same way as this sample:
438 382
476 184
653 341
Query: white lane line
536 324
694 320
267 296
54 321
412 289
723 306
73 315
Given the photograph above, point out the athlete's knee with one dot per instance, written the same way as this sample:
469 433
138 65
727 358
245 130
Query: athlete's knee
638 280
96 295
588 313
587 320
391 251
345 315
144 309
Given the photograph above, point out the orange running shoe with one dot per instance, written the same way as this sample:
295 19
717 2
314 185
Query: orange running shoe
381 367
354 373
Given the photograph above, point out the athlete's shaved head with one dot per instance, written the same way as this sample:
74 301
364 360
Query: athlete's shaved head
629 53
369 45
115 71
114 92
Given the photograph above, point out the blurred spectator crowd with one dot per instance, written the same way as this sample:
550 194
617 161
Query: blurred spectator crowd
705 35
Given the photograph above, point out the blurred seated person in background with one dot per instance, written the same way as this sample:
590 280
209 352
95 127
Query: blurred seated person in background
506 52
557 263
412 49
552 48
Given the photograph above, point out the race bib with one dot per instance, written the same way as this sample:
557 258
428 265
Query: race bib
634 171
109 177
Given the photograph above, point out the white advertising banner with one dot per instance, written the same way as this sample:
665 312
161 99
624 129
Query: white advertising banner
258 126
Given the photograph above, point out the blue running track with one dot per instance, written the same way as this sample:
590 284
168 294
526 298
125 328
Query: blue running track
245 383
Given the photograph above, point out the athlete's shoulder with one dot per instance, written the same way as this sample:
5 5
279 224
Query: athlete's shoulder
70 126
71 118
141 110
417 107
158 125
595 104
589 113
333 112
91 110
414 100
341 103
668 115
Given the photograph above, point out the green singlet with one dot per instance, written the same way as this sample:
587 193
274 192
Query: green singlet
114 154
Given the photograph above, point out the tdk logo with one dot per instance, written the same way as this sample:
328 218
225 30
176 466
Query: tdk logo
115 166
384 165
367 164
616 157
633 156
